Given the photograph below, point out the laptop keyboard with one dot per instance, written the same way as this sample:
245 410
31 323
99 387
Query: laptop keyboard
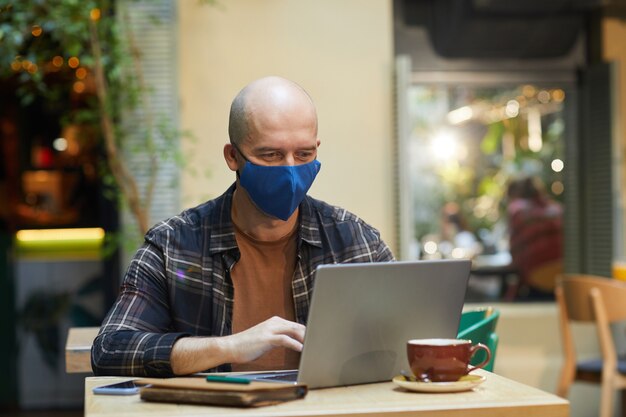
287 376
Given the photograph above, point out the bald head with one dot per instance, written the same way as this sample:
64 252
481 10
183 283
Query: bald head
269 100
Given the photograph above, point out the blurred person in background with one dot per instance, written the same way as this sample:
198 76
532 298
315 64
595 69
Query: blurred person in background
535 237
455 233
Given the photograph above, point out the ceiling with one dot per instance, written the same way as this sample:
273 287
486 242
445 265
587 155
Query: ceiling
502 28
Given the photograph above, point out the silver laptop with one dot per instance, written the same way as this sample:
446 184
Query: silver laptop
362 315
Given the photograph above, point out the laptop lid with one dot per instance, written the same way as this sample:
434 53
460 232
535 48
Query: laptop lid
362 315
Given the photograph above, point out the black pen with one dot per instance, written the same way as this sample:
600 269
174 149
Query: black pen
227 379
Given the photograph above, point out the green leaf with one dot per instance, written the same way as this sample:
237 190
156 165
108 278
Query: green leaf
490 142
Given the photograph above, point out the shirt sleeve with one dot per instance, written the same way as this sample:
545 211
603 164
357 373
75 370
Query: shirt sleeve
135 338
370 243
383 253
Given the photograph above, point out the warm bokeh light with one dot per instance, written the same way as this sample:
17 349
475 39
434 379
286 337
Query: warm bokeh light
512 108
73 62
460 115
557 188
95 233
25 64
60 144
79 87
81 73
430 247
32 68
535 139
459 253
445 146
558 95
57 61
528 91
94 14
16 65
557 165
72 135
37 30
543 96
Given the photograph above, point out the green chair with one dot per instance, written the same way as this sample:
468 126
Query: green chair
479 326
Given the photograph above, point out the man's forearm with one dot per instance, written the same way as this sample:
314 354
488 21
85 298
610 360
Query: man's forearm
197 354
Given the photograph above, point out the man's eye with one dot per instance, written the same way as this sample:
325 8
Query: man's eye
270 155
305 155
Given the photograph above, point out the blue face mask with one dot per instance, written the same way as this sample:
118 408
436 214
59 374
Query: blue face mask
278 190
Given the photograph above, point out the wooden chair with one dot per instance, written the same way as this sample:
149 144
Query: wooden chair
599 300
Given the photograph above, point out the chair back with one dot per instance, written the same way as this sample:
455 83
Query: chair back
578 301
479 326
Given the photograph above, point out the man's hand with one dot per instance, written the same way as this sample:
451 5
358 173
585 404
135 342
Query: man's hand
275 332
197 354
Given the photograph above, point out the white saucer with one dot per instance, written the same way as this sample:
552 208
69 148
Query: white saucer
465 383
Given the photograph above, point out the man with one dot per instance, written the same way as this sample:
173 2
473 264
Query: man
535 237
226 285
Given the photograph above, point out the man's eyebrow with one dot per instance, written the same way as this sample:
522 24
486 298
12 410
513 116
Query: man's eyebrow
271 149
265 149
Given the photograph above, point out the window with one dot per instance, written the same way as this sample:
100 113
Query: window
463 137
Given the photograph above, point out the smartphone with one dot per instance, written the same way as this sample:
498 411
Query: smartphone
120 388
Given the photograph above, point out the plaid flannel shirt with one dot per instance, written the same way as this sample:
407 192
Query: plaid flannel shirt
178 283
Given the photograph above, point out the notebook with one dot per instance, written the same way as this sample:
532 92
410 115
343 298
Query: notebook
362 315
196 390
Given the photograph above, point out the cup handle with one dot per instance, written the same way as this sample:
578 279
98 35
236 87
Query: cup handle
473 351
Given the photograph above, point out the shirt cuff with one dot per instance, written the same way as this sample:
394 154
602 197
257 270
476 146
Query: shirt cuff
157 354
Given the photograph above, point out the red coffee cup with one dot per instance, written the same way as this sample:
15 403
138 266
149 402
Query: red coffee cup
440 360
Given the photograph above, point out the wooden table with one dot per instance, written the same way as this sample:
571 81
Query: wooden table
78 349
497 396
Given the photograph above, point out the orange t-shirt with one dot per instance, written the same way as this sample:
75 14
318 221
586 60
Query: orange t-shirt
262 280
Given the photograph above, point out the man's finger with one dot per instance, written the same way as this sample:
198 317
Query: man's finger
283 340
291 329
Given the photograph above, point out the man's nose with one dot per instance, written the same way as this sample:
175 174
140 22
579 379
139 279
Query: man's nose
290 160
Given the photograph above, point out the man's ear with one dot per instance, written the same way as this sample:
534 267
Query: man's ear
230 155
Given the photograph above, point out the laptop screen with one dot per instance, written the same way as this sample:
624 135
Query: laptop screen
362 315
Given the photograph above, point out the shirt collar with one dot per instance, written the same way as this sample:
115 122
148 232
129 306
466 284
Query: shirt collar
220 226
309 223
222 232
